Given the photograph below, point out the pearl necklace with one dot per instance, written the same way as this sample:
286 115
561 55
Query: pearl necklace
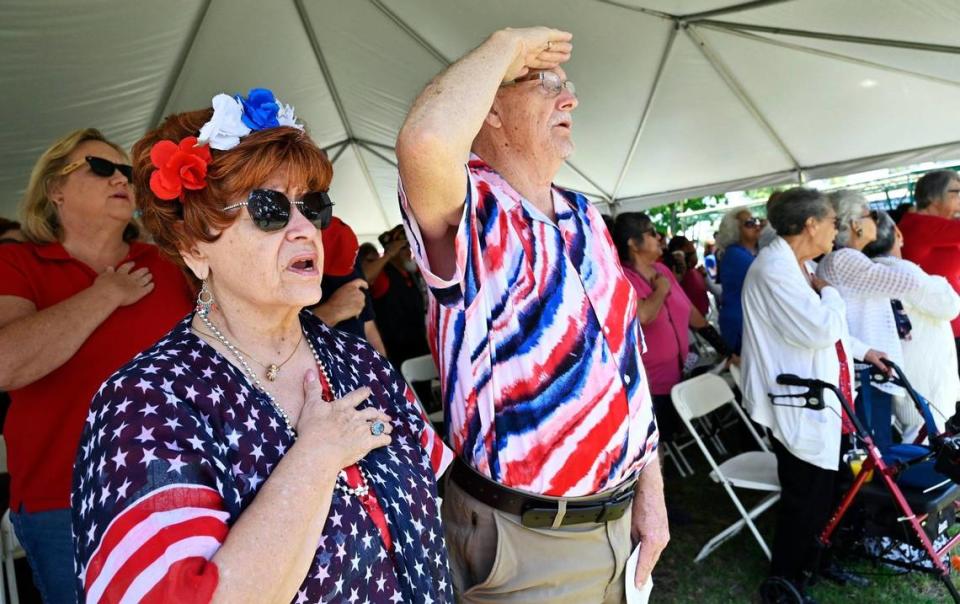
341 485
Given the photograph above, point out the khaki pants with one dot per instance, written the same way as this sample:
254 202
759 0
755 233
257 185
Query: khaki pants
494 558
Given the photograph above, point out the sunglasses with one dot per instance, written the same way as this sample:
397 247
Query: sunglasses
752 223
99 166
270 210
548 80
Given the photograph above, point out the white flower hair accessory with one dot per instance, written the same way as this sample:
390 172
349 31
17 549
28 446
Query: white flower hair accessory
226 127
235 117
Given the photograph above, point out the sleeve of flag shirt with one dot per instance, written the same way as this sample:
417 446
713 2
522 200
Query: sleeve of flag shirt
439 454
149 486
448 292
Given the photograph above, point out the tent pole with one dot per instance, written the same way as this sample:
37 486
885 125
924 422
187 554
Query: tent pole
736 8
403 25
340 150
172 84
646 110
741 94
364 145
800 33
337 101
829 55
640 9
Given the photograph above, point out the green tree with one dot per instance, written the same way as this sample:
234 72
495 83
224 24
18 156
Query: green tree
666 217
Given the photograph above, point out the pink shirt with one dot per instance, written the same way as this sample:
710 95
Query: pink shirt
666 336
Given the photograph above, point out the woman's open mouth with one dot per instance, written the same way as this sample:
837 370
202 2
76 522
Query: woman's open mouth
304 265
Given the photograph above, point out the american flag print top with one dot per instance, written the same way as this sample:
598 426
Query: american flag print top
177 444
538 343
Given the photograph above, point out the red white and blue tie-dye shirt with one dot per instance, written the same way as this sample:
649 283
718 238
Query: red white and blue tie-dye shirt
538 343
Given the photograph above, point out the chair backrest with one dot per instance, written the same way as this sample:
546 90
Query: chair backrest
419 369
700 395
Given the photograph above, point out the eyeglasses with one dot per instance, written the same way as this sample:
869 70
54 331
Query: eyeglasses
99 166
549 81
270 210
753 223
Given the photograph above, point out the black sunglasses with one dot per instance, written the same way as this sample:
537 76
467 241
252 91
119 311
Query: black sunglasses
270 210
752 223
101 167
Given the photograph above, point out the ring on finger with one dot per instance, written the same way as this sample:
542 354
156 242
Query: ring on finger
377 428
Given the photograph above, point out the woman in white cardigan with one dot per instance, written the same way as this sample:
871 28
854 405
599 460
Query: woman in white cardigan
929 353
867 288
796 323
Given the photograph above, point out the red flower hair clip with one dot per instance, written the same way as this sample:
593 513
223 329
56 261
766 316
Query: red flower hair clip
178 167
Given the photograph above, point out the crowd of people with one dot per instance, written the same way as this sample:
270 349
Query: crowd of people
216 383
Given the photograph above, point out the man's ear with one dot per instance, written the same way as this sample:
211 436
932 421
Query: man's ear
493 116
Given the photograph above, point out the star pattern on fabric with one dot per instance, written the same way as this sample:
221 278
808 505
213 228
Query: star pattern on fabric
182 419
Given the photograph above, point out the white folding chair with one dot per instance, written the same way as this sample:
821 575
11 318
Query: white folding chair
10 548
755 470
422 369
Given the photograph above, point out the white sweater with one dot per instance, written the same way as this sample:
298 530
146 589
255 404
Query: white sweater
930 355
788 328
867 288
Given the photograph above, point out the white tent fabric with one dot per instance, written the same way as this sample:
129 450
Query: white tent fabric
677 97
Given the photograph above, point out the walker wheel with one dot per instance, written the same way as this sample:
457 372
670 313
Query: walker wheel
777 590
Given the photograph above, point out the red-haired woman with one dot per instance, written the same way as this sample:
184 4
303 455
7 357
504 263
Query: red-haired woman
253 454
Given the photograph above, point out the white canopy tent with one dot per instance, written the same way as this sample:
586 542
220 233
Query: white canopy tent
677 98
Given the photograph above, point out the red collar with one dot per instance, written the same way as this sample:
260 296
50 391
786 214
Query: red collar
56 251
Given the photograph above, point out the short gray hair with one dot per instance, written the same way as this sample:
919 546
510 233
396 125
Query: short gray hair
932 186
728 232
886 236
849 205
788 212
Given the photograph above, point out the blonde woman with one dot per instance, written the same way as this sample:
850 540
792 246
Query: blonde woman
79 299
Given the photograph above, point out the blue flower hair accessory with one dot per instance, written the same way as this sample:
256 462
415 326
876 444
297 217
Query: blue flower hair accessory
235 117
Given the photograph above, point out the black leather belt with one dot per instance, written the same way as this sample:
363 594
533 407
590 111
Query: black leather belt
542 512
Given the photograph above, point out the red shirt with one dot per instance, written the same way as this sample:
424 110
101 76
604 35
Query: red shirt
695 286
934 243
46 417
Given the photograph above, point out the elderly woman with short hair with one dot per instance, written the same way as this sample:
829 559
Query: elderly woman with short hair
253 454
737 240
931 235
929 308
795 322
868 289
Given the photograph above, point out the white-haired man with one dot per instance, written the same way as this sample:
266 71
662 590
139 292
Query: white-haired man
536 332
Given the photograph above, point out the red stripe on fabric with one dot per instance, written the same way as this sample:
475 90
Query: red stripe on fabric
371 504
154 548
189 580
524 471
578 465
616 322
355 479
160 501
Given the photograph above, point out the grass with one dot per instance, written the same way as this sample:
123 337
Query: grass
734 571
